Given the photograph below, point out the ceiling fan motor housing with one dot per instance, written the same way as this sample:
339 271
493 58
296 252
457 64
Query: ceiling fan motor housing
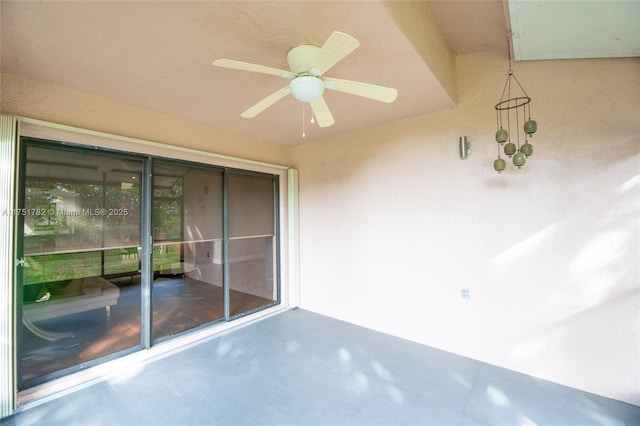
305 87
302 58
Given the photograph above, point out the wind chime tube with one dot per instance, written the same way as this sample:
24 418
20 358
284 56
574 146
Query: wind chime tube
517 125
519 158
501 135
509 109
527 148
524 118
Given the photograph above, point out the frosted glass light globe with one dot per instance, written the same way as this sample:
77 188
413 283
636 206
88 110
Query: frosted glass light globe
306 88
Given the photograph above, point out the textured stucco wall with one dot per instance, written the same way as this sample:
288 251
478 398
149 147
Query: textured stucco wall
394 224
44 101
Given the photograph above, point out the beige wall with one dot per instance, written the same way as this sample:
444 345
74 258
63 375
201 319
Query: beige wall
40 100
394 224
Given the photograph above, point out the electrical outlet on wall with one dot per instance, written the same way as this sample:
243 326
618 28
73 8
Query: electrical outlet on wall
466 293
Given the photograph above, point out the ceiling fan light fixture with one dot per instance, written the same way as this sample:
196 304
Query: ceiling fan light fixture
306 88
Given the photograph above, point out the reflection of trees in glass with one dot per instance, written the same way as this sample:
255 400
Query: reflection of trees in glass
74 220
81 203
60 200
124 198
167 211
50 191
122 227
173 191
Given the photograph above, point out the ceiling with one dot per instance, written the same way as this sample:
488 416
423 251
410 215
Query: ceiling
157 55
575 29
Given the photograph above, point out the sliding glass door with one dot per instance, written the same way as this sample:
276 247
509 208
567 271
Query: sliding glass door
79 290
198 278
252 242
119 251
187 250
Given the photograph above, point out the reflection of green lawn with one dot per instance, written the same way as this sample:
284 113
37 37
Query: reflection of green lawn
67 266
166 257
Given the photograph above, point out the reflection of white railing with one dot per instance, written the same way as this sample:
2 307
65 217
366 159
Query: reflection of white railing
174 242
251 236
79 250
46 232
155 244
214 254
247 256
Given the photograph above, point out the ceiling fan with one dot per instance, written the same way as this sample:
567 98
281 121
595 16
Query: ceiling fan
307 64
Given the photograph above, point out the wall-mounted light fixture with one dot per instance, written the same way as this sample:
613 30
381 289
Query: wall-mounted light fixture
465 147
516 107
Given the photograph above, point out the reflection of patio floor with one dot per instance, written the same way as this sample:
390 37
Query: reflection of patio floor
177 306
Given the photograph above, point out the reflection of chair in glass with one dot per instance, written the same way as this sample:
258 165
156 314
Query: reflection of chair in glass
168 260
92 293
121 262
45 334
129 253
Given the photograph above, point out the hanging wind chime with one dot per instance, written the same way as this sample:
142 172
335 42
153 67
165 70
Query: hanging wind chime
515 107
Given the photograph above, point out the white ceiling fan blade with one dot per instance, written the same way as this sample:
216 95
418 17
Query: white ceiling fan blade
366 90
321 112
337 46
245 66
266 102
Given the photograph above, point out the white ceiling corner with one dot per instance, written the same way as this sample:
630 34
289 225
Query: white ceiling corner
574 29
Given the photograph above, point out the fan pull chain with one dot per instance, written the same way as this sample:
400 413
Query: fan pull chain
303 122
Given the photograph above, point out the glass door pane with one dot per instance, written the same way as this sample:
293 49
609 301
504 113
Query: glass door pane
80 292
187 249
252 242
